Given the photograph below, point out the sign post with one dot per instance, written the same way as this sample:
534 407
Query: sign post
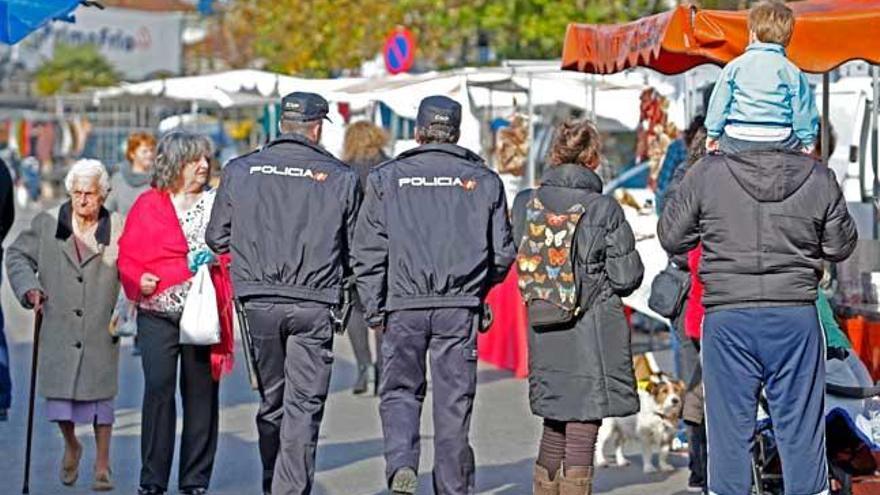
399 51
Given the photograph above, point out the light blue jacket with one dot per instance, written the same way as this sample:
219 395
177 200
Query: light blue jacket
763 87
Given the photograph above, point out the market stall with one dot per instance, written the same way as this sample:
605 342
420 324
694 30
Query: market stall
686 37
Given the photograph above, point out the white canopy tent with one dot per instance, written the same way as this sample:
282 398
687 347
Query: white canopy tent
527 86
225 89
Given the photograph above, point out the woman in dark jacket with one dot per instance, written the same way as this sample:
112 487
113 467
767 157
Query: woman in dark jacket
363 149
582 373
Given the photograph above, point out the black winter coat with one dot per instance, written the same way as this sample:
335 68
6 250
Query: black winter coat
363 167
585 372
766 219
286 213
433 232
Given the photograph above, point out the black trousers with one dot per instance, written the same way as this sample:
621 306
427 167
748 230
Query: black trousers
294 353
358 333
159 338
449 335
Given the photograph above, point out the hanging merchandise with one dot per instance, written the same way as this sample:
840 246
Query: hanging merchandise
45 142
81 129
66 139
654 133
24 138
512 147
14 131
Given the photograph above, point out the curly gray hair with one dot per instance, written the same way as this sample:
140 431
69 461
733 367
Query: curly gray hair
175 150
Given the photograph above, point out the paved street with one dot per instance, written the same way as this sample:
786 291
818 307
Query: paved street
349 455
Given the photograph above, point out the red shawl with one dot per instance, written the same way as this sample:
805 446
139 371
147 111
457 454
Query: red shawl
152 241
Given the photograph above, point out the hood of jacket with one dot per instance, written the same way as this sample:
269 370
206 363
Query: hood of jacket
132 178
572 176
770 176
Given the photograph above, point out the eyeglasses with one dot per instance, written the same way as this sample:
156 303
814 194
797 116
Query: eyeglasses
84 194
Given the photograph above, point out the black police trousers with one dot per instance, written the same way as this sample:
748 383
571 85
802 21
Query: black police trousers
449 334
294 355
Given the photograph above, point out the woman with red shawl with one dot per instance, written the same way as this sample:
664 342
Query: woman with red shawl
161 247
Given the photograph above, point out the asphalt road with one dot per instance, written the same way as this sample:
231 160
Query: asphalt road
504 434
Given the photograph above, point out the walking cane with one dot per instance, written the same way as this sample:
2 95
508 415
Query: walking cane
38 322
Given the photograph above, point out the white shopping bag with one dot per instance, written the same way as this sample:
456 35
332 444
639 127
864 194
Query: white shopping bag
200 323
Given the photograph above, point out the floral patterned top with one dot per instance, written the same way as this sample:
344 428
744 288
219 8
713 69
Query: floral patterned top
194 222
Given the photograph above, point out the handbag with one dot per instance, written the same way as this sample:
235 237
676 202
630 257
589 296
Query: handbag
200 321
669 290
123 322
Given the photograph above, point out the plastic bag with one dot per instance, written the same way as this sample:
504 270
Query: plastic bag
200 322
123 322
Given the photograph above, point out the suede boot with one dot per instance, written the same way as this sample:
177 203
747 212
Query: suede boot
542 485
578 481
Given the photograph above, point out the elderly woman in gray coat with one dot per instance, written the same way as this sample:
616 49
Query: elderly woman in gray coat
65 266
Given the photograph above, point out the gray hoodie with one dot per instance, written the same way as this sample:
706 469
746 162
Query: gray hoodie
125 186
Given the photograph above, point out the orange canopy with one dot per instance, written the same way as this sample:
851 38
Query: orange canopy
827 33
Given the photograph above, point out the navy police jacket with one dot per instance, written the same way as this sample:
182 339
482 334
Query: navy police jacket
433 231
286 213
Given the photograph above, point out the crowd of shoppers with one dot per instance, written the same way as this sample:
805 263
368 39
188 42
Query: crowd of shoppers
420 239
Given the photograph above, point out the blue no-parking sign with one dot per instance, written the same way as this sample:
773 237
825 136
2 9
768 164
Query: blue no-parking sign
400 51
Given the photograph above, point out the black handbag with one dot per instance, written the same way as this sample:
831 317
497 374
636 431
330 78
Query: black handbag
669 290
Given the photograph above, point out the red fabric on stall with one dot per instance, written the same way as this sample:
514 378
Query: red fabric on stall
680 39
505 345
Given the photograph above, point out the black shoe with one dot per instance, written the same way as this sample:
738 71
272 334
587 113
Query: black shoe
405 482
360 385
149 490
4 415
193 491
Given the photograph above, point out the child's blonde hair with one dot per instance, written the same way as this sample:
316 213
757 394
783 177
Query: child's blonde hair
772 22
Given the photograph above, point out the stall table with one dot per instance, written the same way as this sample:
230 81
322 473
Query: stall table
861 322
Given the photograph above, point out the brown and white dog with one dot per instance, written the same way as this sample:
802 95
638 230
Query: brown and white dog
654 426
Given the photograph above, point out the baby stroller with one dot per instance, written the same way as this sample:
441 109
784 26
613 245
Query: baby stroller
852 456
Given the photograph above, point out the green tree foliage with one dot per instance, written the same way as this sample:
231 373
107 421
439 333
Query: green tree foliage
312 37
321 37
74 68
515 28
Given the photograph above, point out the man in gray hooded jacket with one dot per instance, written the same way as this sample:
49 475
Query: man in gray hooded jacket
766 220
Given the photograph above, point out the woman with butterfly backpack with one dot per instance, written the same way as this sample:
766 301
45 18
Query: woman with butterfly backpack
576 259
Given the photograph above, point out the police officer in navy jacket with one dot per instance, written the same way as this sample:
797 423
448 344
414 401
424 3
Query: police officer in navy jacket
286 213
432 237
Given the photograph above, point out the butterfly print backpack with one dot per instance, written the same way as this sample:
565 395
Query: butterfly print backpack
547 279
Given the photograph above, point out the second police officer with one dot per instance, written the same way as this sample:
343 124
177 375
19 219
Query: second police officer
286 213
432 237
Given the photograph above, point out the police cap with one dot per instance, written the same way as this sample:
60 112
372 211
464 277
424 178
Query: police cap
304 107
439 110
